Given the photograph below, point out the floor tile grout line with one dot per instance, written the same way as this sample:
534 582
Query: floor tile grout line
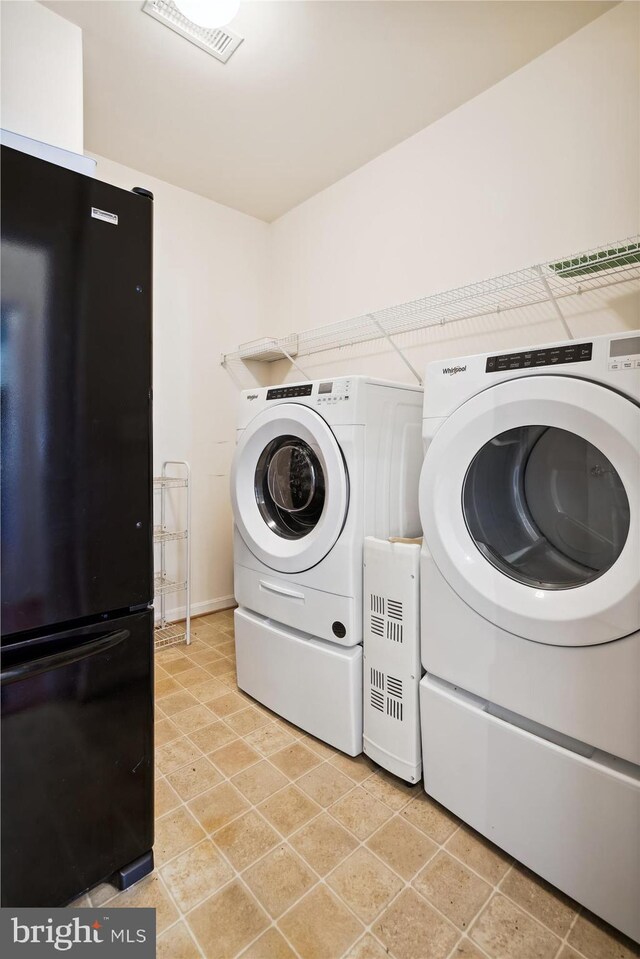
181 915
394 812
361 843
574 909
565 941
322 880
496 888
190 933
284 840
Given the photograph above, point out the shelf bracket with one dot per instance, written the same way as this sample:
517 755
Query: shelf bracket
553 301
406 362
278 346
291 360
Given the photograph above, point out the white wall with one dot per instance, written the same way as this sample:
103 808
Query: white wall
41 74
544 164
209 289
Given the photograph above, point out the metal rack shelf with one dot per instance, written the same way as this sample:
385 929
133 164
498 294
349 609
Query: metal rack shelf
162 585
161 535
547 283
169 482
169 634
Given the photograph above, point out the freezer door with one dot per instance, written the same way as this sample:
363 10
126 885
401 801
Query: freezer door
76 396
77 759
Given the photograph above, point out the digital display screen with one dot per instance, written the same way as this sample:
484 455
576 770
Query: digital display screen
325 387
626 347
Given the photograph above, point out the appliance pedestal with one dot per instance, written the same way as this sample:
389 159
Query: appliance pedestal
572 815
314 684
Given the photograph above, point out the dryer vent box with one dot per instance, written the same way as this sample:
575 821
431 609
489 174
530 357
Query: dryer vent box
391 648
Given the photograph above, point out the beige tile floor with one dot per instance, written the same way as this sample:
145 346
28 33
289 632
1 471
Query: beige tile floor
271 845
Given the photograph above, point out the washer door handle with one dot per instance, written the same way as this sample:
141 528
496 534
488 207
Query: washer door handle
282 591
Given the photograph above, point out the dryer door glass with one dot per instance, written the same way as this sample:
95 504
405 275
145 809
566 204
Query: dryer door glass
545 507
290 487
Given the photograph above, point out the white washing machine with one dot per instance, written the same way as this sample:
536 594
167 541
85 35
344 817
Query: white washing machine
530 609
318 467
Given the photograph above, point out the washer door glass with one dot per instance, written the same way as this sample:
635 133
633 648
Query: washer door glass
545 507
290 487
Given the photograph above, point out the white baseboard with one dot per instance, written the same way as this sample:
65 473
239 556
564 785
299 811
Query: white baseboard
197 609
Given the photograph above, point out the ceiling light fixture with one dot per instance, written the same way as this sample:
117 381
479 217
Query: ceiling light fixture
219 42
209 13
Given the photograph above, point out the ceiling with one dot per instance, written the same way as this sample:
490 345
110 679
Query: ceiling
317 89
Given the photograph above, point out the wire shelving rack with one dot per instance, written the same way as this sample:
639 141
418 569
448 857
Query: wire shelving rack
547 283
167 633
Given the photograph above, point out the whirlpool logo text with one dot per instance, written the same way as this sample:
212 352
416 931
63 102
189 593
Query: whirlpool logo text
452 370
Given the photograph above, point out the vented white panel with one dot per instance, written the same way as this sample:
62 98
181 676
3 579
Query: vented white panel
392 668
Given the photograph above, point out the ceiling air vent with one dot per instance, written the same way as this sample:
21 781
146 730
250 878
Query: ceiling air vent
219 43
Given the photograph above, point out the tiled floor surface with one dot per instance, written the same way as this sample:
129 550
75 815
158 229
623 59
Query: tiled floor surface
271 845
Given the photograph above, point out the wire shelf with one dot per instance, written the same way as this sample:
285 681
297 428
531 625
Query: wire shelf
162 585
547 283
169 635
161 535
169 482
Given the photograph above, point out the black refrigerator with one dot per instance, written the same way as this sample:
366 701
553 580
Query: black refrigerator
77 578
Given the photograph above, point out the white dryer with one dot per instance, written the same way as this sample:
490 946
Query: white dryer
530 592
318 467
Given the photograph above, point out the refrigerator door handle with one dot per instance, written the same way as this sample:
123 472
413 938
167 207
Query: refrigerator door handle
64 658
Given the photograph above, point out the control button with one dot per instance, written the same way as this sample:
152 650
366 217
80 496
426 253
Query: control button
637 364
627 365
614 366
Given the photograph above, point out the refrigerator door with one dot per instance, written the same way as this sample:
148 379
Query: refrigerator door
76 396
77 759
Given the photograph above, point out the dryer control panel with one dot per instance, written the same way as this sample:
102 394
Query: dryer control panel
551 356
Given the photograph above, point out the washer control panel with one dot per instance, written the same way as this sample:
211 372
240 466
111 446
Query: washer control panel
624 354
286 392
333 391
551 356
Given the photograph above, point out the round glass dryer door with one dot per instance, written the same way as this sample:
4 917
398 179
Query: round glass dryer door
290 487
546 507
530 507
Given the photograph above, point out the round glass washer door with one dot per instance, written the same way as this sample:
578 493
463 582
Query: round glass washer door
289 488
530 507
